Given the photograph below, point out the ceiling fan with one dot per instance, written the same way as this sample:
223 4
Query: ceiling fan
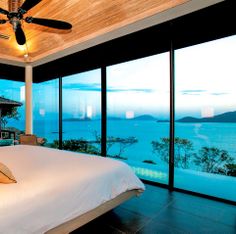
15 16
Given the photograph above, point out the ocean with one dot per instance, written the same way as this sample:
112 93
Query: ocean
219 135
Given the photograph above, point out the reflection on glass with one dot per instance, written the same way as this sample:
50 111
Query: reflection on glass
82 112
13 121
205 127
45 111
138 115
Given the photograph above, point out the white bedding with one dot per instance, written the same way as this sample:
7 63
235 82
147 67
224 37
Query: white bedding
55 186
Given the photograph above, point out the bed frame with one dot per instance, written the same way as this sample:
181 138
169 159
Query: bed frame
79 221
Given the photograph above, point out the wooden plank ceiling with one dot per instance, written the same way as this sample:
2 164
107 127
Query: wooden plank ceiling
90 18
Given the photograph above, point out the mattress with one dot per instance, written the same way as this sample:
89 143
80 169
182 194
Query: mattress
55 186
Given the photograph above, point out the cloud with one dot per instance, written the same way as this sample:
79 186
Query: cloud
199 92
186 93
193 92
217 94
96 87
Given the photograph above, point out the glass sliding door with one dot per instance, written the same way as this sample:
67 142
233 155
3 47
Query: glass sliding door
46 111
205 124
138 115
81 94
13 120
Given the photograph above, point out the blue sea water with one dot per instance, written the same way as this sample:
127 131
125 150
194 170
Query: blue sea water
220 135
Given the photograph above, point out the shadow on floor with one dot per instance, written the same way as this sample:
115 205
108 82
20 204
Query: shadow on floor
159 211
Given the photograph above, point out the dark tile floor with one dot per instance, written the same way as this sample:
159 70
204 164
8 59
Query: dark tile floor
158 211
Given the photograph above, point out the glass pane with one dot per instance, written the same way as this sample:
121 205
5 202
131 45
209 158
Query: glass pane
12 119
82 112
46 111
138 115
206 118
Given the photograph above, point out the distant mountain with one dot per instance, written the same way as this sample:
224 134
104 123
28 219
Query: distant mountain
189 119
227 117
144 117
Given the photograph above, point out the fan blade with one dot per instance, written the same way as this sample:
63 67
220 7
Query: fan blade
4 12
49 23
28 4
20 35
2 21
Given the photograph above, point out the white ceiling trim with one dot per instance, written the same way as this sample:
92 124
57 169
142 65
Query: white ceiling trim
12 61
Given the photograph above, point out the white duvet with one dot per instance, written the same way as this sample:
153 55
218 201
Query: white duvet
55 186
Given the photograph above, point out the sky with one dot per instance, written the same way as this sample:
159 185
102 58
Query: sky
206 78
205 81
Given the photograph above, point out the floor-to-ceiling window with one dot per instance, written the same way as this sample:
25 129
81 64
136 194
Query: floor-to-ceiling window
138 115
205 123
81 95
14 91
45 111
138 103
138 110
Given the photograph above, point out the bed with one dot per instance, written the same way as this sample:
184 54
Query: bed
59 191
